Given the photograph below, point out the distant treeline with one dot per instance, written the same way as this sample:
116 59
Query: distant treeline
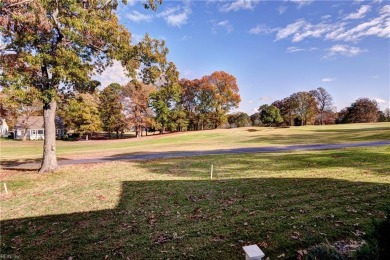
309 108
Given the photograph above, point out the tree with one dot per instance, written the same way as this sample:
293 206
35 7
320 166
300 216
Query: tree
384 116
205 106
305 107
255 119
363 110
287 107
381 116
387 114
20 105
189 101
179 121
328 117
324 102
57 45
239 119
225 95
135 98
164 100
270 114
111 108
81 114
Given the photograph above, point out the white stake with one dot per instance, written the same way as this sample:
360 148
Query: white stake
5 188
211 172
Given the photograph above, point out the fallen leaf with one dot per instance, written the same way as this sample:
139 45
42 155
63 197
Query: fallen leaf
161 239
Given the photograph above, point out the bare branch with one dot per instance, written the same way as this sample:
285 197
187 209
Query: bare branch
57 23
20 3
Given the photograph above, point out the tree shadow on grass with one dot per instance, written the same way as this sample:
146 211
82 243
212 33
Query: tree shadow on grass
204 220
24 164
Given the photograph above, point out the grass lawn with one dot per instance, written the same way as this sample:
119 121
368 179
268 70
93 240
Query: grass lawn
17 152
161 209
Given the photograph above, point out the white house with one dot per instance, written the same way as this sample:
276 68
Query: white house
33 128
3 128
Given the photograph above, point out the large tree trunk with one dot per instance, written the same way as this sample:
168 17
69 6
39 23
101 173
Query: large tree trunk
49 162
24 135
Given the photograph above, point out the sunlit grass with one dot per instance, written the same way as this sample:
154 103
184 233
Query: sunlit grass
16 151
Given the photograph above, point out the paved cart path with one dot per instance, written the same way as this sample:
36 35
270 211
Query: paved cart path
180 154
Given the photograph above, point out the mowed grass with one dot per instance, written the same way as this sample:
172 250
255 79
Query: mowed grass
18 152
161 209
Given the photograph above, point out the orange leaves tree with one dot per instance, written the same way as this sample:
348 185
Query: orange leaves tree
208 100
135 97
225 95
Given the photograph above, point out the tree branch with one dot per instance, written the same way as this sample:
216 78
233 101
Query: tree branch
20 3
57 23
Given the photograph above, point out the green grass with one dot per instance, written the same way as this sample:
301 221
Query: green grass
17 151
169 208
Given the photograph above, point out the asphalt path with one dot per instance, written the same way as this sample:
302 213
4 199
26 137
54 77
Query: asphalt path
180 154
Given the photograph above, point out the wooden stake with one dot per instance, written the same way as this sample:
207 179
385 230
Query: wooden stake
5 188
211 172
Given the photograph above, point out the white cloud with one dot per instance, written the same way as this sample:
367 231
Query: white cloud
383 103
185 38
218 25
132 2
176 16
379 100
290 29
328 79
378 26
313 31
136 38
337 31
138 17
238 5
301 3
114 74
301 29
186 73
363 10
282 9
326 17
226 25
223 23
343 50
293 49
265 99
261 29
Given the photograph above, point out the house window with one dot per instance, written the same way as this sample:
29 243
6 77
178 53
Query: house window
40 132
33 132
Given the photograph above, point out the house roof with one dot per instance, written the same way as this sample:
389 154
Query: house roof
36 122
33 122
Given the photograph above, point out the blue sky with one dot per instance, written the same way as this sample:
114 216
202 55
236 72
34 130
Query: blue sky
274 48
